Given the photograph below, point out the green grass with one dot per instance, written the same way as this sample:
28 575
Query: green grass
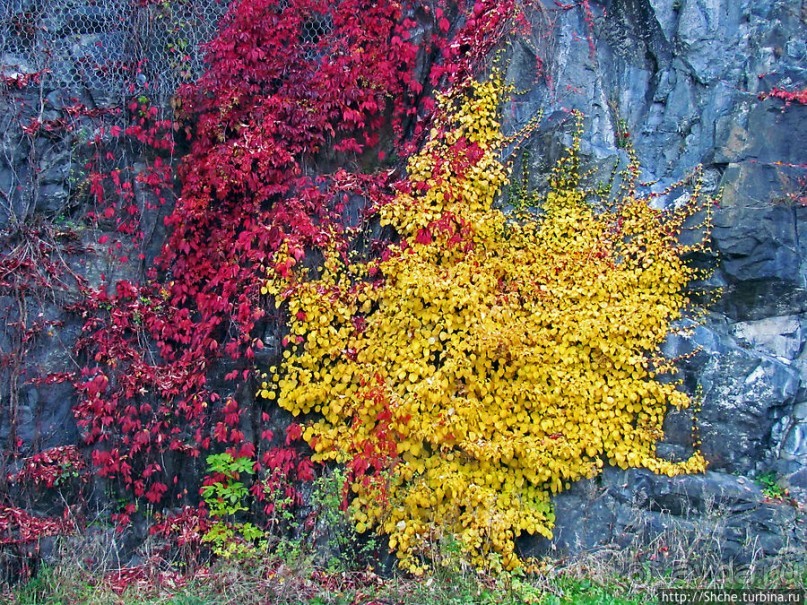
62 586
585 592
297 582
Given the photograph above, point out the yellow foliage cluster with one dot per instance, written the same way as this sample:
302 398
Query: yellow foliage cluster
499 360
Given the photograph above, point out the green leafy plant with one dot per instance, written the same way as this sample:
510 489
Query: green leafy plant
226 496
769 483
336 533
586 592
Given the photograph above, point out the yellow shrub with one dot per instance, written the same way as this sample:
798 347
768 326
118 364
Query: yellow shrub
498 360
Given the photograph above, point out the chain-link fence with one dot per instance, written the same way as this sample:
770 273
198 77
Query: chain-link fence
112 48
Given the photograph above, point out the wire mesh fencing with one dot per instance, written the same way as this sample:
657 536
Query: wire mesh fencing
112 48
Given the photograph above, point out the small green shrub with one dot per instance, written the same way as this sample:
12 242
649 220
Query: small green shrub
345 549
769 482
227 496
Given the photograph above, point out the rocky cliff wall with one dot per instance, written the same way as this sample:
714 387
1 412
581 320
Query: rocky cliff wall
684 80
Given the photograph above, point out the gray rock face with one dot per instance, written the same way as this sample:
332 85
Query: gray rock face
657 519
778 336
744 396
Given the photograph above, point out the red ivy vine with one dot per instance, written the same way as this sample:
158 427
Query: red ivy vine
288 132
788 96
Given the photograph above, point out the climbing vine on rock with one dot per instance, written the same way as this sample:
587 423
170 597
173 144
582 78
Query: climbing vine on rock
486 361
284 137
